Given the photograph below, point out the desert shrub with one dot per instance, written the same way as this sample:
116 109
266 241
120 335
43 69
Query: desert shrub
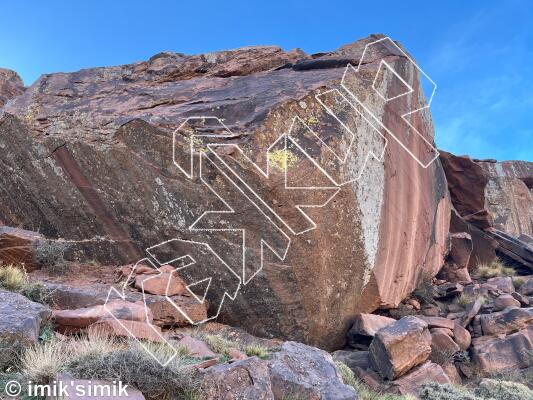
435 391
363 391
50 255
256 350
495 268
503 390
425 291
442 356
518 281
135 367
465 299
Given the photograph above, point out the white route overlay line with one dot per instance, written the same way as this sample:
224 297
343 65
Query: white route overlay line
212 155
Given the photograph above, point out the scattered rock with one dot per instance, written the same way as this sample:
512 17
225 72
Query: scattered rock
503 283
84 317
451 372
527 288
365 327
507 321
411 382
164 284
400 346
306 372
437 322
495 354
353 359
471 311
196 347
241 380
126 328
523 300
20 322
17 246
462 337
504 301
442 343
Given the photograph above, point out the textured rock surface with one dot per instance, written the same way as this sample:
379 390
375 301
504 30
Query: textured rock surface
104 137
509 197
246 379
20 322
400 346
496 354
410 383
17 247
10 85
305 372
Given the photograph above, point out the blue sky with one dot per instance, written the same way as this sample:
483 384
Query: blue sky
480 53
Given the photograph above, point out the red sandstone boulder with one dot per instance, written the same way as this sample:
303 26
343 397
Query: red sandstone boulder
506 321
496 354
126 328
84 317
17 247
114 156
400 346
196 347
462 337
410 383
505 300
164 284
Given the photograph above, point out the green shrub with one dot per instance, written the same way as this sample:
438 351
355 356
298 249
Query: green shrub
503 390
434 391
50 255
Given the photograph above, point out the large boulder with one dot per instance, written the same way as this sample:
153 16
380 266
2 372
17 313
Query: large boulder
496 354
20 323
400 346
10 85
507 321
105 137
301 371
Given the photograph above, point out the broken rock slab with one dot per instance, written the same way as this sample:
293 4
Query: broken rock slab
495 354
507 321
365 327
400 346
410 383
20 322
17 247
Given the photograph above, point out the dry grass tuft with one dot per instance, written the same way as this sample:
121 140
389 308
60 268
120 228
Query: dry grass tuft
42 362
13 278
494 269
257 351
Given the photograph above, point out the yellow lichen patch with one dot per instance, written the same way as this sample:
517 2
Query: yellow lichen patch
282 159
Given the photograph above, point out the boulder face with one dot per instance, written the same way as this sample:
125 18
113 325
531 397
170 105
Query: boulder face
352 211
